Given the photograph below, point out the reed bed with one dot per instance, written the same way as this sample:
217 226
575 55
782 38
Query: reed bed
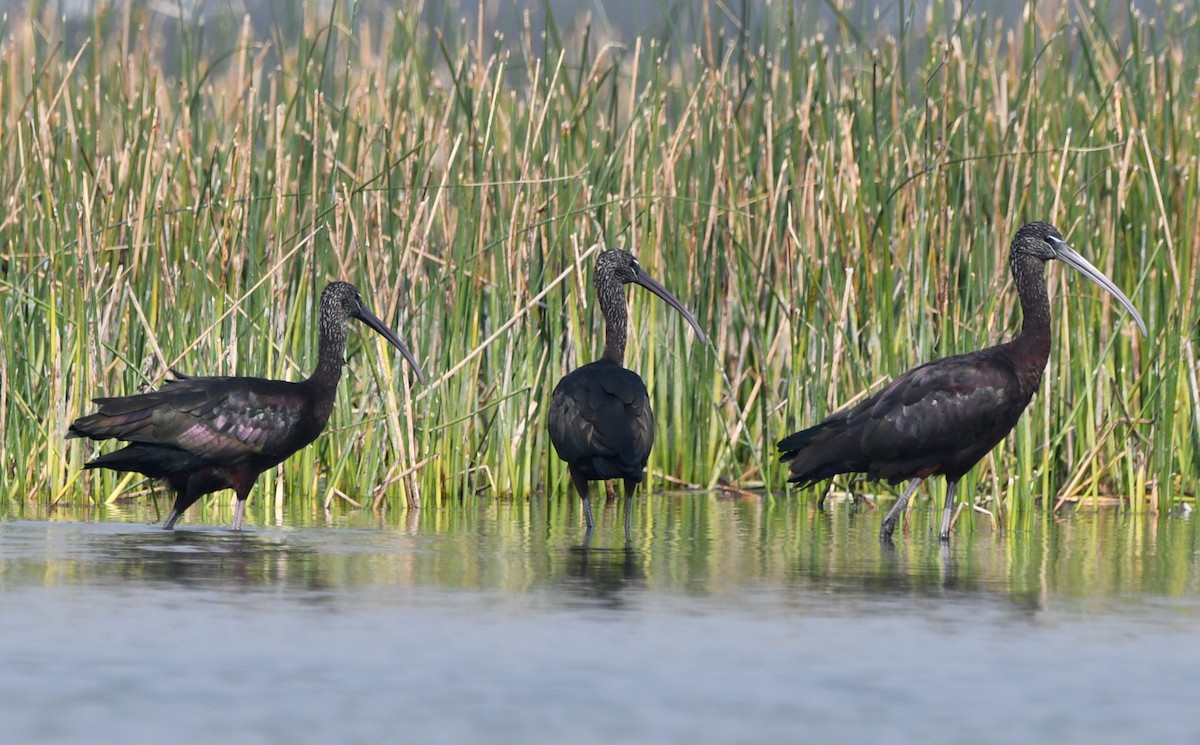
834 206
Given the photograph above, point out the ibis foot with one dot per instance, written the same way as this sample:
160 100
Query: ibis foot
893 515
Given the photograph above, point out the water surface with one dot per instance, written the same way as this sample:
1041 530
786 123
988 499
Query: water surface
724 621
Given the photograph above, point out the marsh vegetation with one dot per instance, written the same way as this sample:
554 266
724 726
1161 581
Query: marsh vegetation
834 205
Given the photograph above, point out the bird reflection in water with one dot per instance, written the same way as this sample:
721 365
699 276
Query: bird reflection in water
603 577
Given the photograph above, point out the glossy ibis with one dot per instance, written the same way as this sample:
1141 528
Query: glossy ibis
600 420
204 434
942 417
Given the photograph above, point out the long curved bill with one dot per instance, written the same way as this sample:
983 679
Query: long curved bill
651 284
1071 257
366 316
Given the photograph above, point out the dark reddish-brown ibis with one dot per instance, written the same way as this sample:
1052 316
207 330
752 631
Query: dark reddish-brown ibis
942 417
600 420
204 434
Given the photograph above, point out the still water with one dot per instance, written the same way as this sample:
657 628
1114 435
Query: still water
724 621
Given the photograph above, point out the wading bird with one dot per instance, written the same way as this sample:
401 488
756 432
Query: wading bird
600 420
204 434
942 417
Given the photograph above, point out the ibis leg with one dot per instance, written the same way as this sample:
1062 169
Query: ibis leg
947 512
581 486
239 512
889 522
587 514
630 485
182 501
824 494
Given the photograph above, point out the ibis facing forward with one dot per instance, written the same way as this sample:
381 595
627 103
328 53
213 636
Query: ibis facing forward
204 434
600 420
942 417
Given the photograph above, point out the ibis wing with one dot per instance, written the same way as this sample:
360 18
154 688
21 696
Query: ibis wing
228 419
600 414
938 408
939 418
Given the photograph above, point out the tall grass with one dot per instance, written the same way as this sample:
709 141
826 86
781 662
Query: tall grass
835 208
